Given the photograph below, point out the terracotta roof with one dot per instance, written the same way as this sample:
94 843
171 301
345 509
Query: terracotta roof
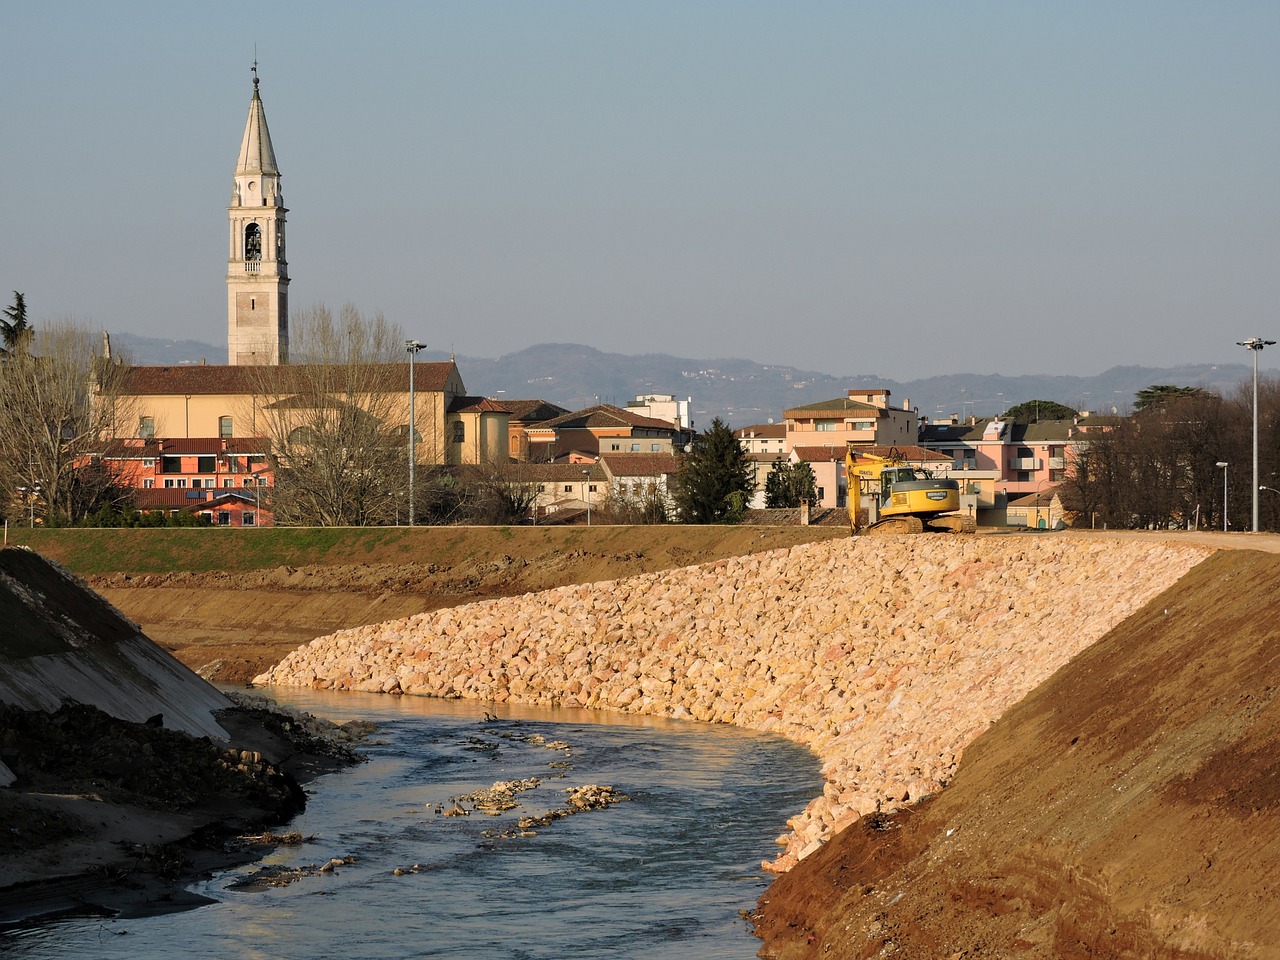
533 411
561 472
1042 498
762 431
207 380
173 499
838 405
476 405
640 464
604 415
816 454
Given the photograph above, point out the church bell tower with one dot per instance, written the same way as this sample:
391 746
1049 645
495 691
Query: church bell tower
257 269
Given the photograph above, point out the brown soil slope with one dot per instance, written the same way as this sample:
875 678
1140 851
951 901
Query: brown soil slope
233 623
1129 807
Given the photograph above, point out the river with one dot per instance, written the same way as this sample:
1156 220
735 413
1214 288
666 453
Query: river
660 875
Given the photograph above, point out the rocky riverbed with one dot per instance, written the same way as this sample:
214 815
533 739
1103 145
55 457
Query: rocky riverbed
887 657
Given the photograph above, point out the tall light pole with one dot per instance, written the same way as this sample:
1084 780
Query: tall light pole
412 346
1255 345
1222 465
586 476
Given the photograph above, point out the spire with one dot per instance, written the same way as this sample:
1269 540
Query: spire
256 154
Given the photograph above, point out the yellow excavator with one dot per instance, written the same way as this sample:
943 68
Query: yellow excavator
908 501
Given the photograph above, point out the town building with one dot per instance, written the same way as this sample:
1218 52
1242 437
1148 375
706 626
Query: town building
663 406
597 430
864 416
259 395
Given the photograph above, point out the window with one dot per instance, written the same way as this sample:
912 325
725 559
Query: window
224 427
635 448
207 464
227 482
252 243
148 484
169 483
170 464
148 463
459 432
825 426
615 446
181 482
247 519
147 428
224 518
655 447
568 488
591 488
864 424
1024 476
262 481
248 481
821 494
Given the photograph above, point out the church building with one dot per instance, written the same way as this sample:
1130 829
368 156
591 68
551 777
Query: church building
259 395
257 269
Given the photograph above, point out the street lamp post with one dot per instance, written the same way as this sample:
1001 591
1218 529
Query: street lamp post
1254 345
1222 465
412 346
586 476
30 495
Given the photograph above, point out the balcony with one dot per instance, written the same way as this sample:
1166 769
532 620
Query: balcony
1026 463
1057 463
253 266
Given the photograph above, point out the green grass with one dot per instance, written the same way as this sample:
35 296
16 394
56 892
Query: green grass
96 551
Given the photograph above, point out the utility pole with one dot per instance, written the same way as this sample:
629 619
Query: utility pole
1255 345
412 346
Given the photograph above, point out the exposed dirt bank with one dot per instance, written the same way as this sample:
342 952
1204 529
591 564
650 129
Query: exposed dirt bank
231 626
1128 807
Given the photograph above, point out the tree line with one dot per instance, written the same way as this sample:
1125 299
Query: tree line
1157 468
340 456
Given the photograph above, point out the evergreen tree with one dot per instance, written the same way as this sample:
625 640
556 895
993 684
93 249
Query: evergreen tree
1033 411
789 483
714 482
1159 394
14 329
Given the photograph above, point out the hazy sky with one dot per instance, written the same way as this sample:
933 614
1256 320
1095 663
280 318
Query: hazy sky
897 188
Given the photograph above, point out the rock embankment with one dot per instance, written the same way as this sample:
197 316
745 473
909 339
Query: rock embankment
884 656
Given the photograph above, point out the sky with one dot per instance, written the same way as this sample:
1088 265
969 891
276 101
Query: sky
896 188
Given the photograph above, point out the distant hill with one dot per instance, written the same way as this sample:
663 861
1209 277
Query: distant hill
744 392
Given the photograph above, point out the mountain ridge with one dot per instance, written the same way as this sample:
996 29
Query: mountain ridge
744 392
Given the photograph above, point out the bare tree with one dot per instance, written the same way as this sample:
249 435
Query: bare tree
334 421
57 400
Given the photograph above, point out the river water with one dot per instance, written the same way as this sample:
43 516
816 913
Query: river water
660 875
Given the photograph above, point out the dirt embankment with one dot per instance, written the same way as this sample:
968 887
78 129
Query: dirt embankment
231 626
1128 807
